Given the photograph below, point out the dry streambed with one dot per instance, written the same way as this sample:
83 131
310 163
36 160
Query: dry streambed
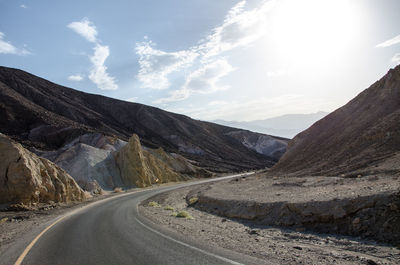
216 220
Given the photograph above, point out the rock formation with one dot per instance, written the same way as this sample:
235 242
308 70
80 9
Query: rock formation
139 168
89 160
98 162
26 178
362 135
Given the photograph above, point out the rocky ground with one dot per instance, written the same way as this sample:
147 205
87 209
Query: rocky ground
293 243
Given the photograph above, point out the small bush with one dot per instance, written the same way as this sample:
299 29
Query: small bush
174 214
154 204
169 208
184 214
117 190
193 200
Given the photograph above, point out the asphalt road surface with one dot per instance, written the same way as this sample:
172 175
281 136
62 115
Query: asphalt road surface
113 232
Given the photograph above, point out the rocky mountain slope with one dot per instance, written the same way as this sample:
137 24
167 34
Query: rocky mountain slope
360 135
26 178
44 115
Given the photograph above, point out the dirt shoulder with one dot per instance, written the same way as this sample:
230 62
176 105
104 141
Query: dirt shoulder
282 245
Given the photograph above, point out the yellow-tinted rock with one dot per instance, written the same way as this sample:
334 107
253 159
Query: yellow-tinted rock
26 178
139 168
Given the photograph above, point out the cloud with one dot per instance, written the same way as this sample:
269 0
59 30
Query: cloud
8 48
98 72
276 73
204 80
390 42
217 103
85 28
202 62
23 6
76 77
156 65
240 28
396 58
175 95
133 99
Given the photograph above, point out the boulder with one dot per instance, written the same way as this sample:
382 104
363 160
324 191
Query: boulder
26 178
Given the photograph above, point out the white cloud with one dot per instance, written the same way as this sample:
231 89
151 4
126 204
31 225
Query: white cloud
23 6
390 42
276 73
85 28
396 58
133 99
240 28
76 77
217 103
204 80
156 65
203 62
8 48
98 72
175 95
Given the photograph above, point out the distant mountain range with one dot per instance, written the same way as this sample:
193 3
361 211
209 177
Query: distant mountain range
284 126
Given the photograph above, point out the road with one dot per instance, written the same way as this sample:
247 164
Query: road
113 232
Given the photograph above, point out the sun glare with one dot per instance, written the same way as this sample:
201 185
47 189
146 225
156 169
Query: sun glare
313 31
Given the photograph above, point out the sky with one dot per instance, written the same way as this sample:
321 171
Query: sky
231 60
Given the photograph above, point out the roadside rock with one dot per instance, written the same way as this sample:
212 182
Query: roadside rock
26 178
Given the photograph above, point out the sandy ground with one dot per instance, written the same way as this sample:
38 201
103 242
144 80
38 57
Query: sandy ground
281 246
301 189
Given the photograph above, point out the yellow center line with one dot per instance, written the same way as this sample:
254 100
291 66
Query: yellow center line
28 248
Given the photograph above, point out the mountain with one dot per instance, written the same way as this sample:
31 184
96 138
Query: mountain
363 135
47 116
285 126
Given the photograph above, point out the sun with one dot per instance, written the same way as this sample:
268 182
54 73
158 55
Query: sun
314 31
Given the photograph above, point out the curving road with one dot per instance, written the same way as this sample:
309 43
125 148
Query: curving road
112 232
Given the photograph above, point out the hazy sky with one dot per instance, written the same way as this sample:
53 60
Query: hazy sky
232 60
